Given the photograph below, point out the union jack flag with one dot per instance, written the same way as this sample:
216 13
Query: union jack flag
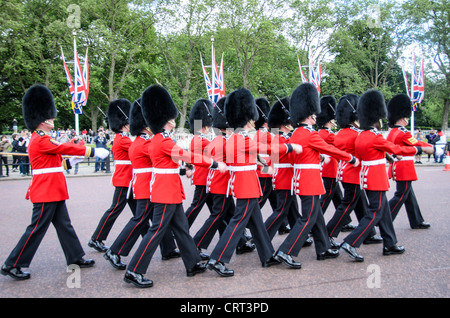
80 97
86 79
68 77
304 79
418 84
315 77
217 91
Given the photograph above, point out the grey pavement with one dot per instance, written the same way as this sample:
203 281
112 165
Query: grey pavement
423 271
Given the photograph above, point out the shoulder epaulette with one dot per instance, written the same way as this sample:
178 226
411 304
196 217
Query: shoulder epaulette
165 134
403 129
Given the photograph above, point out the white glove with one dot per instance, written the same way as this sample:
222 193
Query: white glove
74 160
101 153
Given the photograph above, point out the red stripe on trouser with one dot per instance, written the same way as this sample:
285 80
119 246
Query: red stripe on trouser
309 218
21 251
162 218
264 190
373 218
282 209
118 199
199 199
232 233
140 221
346 209
406 189
223 205
329 194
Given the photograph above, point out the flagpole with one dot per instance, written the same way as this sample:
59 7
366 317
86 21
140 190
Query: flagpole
412 94
74 32
213 79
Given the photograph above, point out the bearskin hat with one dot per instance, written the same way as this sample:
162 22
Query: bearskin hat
263 111
346 110
277 115
158 107
371 108
398 107
219 120
328 110
118 112
240 108
137 122
201 111
304 102
38 105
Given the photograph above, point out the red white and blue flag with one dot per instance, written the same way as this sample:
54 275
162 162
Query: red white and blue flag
68 77
418 84
86 79
315 76
215 86
304 79
81 82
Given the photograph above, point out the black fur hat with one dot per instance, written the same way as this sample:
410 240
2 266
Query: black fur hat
201 111
346 110
328 110
158 107
219 120
137 122
304 102
371 108
118 112
240 108
38 105
277 115
263 111
398 107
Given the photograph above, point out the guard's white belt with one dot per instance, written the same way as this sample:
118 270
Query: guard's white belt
142 170
166 171
264 155
122 162
241 168
48 170
282 165
373 162
307 166
405 158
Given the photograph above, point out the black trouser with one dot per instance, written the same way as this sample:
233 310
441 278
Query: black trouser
286 209
332 193
221 211
4 159
246 214
311 220
165 217
354 199
109 217
378 214
198 201
267 193
404 194
44 214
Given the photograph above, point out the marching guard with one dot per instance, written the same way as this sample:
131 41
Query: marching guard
166 189
348 175
307 181
48 189
241 152
402 170
371 147
200 120
118 111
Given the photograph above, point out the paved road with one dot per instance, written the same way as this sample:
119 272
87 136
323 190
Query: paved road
422 271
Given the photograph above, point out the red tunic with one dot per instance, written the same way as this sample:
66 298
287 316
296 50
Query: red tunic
142 165
123 171
166 186
264 138
404 169
218 181
371 147
45 153
345 140
241 152
198 145
307 176
330 169
283 168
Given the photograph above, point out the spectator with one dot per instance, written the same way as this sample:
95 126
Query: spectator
24 163
16 159
63 137
440 142
419 136
14 125
4 147
100 142
80 141
430 137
